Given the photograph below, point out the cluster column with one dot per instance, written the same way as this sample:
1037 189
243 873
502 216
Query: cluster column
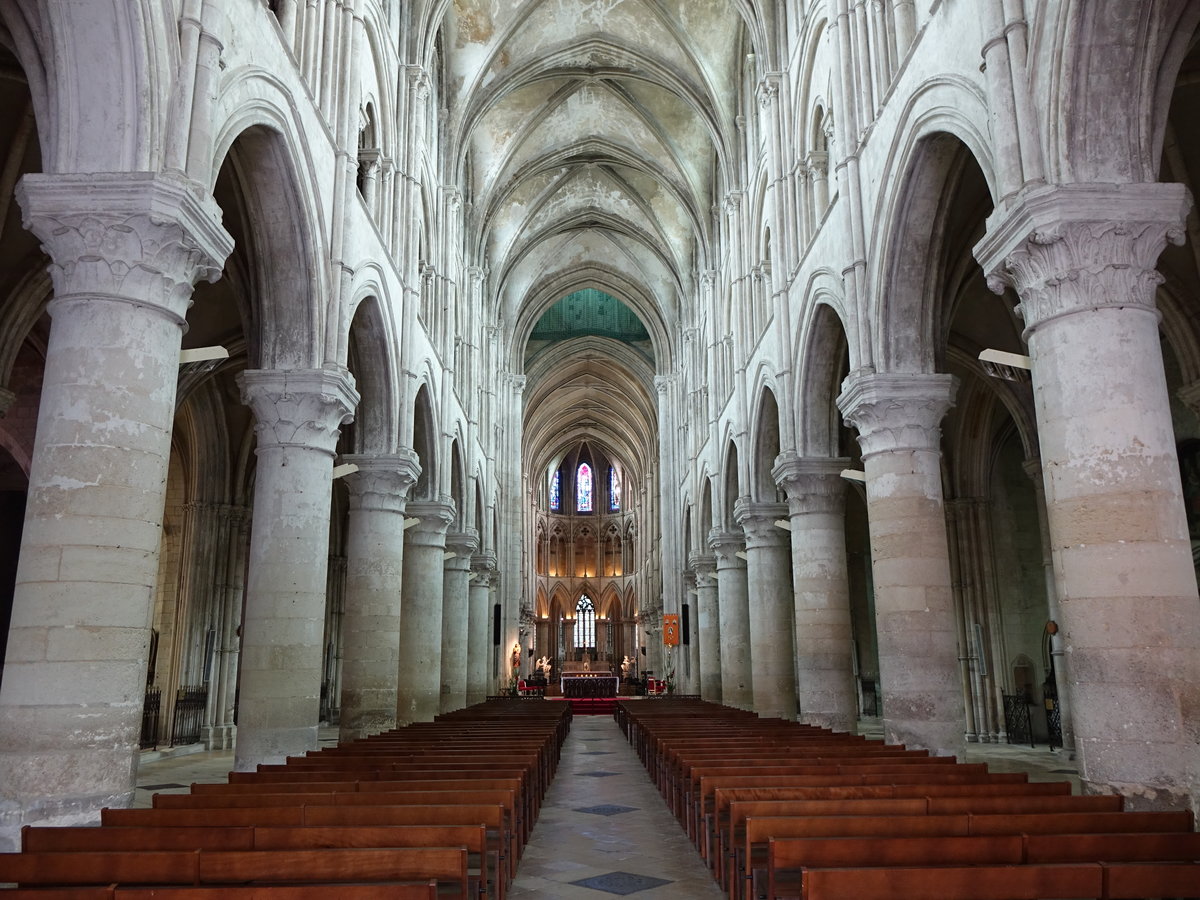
769 589
898 418
456 618
374 569
299 414
824 635
125 252
419 682
708 626
737 684
1082 259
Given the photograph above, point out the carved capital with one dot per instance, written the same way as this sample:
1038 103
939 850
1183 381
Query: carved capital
464 543
768 89
7 399
141 238
303 408
1072 248
812 484
817 162
897 412
434 518
758 521
382 482
725 546
704 568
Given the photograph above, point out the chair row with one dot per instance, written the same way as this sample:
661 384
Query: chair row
439 809
784 810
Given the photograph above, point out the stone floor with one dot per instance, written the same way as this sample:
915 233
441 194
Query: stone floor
603 828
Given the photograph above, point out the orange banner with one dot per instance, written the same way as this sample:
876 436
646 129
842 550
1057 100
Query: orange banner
671 630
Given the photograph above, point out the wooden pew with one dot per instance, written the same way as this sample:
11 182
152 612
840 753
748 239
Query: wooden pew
760 829
515 825
411 890
446 865
486 877
501 842
1046 882
729 839
789 860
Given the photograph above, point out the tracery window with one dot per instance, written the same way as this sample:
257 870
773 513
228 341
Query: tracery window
583 488
585 624
556 490
614 490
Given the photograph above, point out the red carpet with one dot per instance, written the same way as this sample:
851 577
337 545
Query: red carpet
592 706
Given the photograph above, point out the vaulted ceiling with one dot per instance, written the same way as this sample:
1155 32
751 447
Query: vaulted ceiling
592 137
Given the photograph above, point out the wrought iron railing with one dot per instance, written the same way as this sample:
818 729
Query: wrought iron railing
1017 722
189 714
151 708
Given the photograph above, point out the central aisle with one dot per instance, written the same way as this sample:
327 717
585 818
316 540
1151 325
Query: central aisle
604 823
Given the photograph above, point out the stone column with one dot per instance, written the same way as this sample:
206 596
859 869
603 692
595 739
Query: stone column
898 418
737 686
824 636
374 566
479 617
1082 259
419 681
125 251
456 618
298 416
708 626
770 594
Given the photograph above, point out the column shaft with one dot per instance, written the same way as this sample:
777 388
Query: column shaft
479 623
456 619
824 636
125 250
770 596
419 681
898 419
708 627
298 416
737 683
374 567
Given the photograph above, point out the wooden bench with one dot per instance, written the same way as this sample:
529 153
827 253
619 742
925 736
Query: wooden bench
955 883
790 860
501 841
760 829
485 875
446 865
729 836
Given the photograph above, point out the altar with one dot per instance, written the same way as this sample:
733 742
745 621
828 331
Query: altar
589 684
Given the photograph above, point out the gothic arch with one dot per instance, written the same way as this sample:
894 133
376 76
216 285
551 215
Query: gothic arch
283 259
908 313
369 360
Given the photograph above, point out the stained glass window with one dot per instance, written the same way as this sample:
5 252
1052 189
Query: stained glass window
614 490
556 490
585 623
583 488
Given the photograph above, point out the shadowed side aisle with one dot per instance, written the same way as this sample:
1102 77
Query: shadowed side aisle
605 830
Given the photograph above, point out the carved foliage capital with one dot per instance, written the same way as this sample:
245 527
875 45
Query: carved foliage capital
302 408
758 521
897 412
382 482
1080 247
725 546
464 543
813 484
141 237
